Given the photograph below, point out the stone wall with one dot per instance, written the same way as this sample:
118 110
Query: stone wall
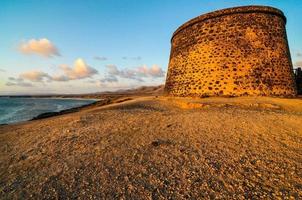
232 52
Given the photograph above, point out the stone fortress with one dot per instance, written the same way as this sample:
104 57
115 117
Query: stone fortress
232 52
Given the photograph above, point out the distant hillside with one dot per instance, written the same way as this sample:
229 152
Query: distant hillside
152 90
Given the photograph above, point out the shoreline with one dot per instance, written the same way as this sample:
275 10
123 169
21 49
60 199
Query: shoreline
45 115
61 112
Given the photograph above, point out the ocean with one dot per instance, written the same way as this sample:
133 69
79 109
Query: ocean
14 110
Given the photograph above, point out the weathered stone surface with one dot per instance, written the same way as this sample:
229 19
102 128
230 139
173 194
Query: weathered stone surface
232 52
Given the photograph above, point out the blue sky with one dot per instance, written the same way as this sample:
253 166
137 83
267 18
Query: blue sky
104 44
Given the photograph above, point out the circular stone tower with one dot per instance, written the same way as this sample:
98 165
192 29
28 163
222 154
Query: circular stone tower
232 52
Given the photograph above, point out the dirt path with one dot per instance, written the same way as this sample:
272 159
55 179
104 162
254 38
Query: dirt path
158 148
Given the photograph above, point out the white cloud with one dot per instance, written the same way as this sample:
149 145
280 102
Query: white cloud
109 79
60 78
154 71
35 76
42 47
136 74
100 58
80 70
125 73
112 70
299 54
132 58
17 82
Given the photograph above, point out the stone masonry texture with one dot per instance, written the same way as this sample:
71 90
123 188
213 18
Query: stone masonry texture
232 52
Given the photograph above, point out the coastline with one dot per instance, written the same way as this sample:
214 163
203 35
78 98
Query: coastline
62 112
105 100
56 113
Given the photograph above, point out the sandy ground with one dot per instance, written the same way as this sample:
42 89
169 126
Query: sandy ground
158 148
